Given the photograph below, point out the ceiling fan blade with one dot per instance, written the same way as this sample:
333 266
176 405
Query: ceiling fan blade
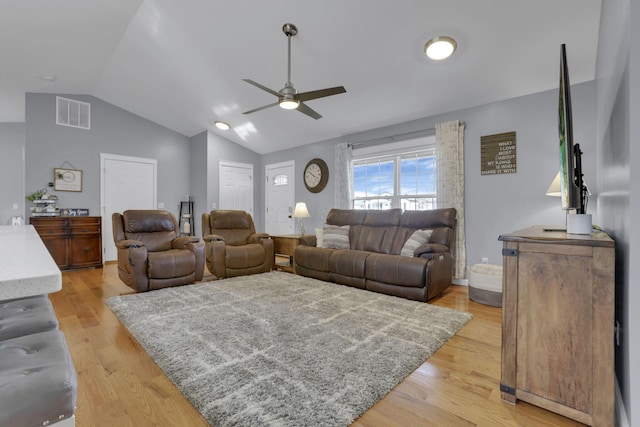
305 109
264 88
260 108
315 94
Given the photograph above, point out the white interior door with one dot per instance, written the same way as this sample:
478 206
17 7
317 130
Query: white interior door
280 198
236 186
126 183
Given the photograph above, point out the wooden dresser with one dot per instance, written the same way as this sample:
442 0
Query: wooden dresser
558 323
74 242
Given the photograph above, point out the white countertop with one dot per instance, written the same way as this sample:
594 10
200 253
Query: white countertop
26 266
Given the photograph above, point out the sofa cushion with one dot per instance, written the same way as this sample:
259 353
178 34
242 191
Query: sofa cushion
346 216
377 232
348 263
418 238
38 383
335 237
246 256
170 264
26 316
313 258
140 221
401 271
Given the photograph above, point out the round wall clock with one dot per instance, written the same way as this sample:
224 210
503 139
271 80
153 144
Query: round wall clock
316 175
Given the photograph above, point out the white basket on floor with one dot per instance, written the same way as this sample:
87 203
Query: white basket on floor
485 284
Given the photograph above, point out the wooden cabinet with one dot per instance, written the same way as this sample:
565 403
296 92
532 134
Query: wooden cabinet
74 242
557 323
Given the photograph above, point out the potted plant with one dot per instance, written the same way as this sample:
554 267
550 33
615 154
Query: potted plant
36 195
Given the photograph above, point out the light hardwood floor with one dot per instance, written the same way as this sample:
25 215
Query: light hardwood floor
120 385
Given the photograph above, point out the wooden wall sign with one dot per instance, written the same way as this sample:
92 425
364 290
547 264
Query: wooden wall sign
498 154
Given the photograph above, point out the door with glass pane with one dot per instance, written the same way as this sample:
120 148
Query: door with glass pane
280 198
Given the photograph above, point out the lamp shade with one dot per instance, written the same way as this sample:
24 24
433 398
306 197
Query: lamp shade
554 188
301 211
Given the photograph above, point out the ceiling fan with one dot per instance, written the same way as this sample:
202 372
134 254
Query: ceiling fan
288 96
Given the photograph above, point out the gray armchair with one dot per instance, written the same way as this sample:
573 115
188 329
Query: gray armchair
151 252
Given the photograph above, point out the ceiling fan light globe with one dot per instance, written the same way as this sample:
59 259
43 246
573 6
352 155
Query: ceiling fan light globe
289 104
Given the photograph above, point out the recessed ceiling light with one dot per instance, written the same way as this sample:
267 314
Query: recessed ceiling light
48 78
222 125
439 48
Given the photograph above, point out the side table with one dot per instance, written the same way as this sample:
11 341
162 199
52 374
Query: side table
285 245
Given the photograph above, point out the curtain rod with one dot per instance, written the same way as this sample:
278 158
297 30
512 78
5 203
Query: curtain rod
394 138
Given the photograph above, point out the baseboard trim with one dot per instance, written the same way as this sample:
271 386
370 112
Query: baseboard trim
621 419
462 282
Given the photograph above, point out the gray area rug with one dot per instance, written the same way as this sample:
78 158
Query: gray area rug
276 349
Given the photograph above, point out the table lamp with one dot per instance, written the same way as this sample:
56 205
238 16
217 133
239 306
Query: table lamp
301 211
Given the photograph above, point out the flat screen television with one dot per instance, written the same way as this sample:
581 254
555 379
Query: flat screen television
572 190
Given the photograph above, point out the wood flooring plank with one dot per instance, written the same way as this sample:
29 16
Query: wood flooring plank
119 384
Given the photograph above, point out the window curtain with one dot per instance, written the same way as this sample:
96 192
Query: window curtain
449 146
343 181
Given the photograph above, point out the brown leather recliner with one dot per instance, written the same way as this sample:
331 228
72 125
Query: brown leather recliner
151 252
233 246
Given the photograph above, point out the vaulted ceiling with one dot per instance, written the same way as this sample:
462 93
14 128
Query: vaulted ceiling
181 63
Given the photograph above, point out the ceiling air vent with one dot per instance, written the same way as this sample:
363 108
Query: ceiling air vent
70 112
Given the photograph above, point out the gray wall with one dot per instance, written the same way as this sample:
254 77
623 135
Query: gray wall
199 179
495 204
186 166
11 171
618 83
113 131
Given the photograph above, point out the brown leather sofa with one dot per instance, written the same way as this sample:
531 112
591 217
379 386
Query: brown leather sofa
373 260
233 246
151 252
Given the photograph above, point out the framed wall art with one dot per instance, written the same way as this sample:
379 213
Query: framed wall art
498 154
67 179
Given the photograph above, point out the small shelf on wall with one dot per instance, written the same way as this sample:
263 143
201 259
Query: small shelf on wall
44 207
185 221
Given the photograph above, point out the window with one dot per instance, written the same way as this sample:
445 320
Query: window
281 179
400 175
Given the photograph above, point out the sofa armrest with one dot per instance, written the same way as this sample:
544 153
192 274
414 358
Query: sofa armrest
257 237
195 245
428 249
439 273
182 241
213 238
198 248
126 244
132 260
